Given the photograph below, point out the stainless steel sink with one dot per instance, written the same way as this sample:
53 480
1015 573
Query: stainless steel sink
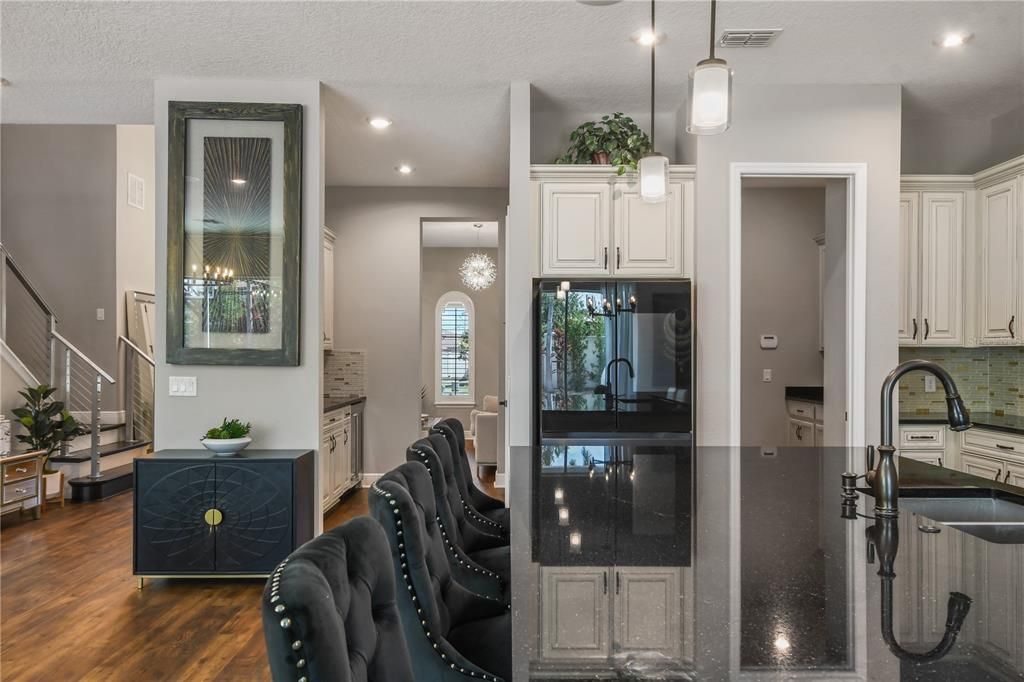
991 519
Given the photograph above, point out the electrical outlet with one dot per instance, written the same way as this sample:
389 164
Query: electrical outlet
184 387
766 376
101 314
767 452
929 383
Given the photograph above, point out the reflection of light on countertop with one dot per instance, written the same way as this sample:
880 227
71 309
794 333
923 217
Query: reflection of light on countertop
563 516
781 644
559 496
575 541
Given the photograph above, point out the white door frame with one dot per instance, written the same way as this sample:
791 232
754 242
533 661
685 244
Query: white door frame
856 176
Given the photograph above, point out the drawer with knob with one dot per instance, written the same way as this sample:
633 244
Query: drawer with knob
923 437
16 471
19 490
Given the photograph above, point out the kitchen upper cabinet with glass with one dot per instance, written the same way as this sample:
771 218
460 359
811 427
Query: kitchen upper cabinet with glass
595 224
962 258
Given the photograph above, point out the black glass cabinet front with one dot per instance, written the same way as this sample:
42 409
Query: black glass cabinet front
613 356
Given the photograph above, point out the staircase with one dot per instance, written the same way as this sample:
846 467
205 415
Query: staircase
99 463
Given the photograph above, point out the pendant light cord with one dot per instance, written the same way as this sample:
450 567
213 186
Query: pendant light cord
654 44
712 46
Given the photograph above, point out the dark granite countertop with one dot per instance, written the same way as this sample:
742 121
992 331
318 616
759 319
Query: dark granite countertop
746 561
332 403
811 394
1007 423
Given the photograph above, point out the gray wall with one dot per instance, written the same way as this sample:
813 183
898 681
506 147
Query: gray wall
59 221
283 403
780 296
441 275
942 145
376 298
838 124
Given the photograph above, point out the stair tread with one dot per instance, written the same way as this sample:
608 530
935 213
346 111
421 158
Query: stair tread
105 476
84 455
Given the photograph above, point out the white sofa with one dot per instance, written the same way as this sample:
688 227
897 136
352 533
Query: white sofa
483 427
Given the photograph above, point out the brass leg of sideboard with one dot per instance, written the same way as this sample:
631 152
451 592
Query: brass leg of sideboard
37 512
141 583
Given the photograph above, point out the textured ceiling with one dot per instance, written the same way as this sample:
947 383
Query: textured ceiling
441 69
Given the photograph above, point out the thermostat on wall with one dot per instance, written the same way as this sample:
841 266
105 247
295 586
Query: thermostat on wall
769 341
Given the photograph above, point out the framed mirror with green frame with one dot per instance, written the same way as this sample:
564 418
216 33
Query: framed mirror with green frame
234 183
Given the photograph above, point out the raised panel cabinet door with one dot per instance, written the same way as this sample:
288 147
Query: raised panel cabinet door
910 256
325 456
338 464
575 228
1014 475
345 458
255 531
328 293
979 465
646 612
648 237
171 504
574 608
819 435
801 433
926 456
1000 600
942 267
999 252
941 566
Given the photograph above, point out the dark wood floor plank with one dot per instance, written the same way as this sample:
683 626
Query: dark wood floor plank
71 611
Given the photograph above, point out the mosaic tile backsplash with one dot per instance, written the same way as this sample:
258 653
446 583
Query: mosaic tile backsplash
344 373
990 379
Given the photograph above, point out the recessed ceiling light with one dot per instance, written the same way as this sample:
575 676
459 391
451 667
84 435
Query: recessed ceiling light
404 169
238 181
954 39
380 122
646 38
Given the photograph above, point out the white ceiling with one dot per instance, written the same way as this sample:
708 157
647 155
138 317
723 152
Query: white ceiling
441 69
452 234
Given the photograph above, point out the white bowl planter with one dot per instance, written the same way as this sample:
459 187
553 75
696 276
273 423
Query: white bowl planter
225 447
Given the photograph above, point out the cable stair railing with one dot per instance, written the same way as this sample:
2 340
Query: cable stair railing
28 327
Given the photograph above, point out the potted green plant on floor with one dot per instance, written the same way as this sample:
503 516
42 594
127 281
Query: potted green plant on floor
615 139
231 437
48 425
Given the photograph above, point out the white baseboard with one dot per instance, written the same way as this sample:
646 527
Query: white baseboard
370 479
500 479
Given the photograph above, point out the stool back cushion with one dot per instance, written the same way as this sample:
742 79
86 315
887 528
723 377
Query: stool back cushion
329 610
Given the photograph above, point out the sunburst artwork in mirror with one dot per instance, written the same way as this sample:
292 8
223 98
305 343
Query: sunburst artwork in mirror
233 233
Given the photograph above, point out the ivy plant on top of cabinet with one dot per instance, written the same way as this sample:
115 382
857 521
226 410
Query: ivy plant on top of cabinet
591 222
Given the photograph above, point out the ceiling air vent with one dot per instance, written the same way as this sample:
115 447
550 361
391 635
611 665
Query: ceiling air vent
762 37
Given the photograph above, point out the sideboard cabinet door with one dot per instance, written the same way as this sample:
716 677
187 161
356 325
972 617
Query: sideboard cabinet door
255 501
171 534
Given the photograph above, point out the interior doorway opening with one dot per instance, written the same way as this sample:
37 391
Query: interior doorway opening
462 345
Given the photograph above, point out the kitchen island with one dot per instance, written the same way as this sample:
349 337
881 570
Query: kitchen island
652 561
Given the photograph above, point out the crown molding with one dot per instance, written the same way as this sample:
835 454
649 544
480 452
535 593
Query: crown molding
949 183
999 173
558 171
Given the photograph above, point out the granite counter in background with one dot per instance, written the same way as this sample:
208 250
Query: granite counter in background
332 403
1007 423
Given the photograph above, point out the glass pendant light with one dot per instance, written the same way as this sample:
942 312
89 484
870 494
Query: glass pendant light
709 110
653 167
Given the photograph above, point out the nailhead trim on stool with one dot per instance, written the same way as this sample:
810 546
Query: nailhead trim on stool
280 609
408 584
469 510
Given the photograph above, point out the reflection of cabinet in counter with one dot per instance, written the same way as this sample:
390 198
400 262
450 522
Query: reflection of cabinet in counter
996 581
806 423
595 612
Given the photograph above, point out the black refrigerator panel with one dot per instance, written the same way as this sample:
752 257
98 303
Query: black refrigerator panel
613 356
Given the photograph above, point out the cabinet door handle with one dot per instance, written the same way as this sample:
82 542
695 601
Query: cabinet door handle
940 461
618 582
799 433
1004 447
1013 319
21 490
618 257
345 442
606 582
606 256
927 330
1006 478
998 474
914 337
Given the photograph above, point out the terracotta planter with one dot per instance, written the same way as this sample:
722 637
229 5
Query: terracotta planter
600 158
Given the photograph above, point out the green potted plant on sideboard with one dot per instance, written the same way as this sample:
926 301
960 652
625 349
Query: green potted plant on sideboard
615 139
230 438
48 425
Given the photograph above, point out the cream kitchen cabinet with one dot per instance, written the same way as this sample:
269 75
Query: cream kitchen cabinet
980 465
593 223
327 246
575 610
596 612
931 240
994 455
806 426
1000 248
336 465
925 443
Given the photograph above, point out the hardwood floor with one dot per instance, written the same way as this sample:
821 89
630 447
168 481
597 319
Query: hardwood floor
71 611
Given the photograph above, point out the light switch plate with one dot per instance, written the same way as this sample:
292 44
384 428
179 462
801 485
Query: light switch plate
929 383
101 314
182 387
766 376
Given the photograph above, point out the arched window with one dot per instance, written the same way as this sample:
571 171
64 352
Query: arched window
454 349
